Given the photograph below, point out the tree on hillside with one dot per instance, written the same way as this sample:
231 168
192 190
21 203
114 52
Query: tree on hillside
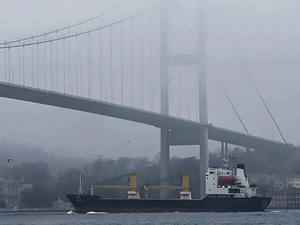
2 204
43 192
68 183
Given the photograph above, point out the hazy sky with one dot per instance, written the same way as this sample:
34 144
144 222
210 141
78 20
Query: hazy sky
265 33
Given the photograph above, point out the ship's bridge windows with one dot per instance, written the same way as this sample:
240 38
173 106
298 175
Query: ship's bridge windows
233 190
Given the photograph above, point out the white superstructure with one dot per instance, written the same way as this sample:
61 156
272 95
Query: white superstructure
226 182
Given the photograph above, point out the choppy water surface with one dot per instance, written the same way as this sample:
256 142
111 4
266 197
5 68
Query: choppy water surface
271 217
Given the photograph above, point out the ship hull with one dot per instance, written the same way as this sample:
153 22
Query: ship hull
87 203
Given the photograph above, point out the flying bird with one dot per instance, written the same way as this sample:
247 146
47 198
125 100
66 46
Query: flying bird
9 159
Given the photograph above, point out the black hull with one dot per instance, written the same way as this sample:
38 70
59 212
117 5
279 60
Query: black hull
87 203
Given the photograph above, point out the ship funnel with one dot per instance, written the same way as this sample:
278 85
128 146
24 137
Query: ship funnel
242 167
241 174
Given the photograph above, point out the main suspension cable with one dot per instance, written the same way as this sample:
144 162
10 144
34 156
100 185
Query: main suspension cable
54 31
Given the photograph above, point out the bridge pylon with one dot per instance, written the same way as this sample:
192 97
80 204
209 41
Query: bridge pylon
167 60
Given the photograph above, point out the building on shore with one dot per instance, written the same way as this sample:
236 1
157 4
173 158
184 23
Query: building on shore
287 198
10 192
61 205
283 182
261 178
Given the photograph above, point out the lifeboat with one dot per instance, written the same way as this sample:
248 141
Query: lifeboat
227 179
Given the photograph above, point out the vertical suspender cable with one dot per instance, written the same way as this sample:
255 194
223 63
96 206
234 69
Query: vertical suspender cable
76 65
142 61
32 69
151 63
179 93
8 64
5 64
64 63
188 99
122 67
100 63
19 64
170 83
51 75
91 63
79 60
13 74
45 67
111 65
197 105
88 53
56 61
132 85
37 64
23 65
69 61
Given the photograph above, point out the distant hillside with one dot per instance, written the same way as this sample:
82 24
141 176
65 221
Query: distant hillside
26 153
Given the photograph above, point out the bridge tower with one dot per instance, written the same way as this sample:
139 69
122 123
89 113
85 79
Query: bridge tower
164 73
168 60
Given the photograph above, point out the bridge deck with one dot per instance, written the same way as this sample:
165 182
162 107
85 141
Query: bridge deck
182 132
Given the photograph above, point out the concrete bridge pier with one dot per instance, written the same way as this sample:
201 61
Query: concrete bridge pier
203 118
222 150
203 161
164 76
248 151
164 160
226 150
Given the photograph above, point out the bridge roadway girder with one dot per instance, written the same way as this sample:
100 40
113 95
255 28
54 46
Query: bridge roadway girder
181 137
181 131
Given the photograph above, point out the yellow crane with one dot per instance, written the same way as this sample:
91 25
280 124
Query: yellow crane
133 192
132 184
184 187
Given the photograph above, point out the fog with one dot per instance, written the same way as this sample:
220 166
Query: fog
265 33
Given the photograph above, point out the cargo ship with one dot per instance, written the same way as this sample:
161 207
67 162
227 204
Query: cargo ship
227 190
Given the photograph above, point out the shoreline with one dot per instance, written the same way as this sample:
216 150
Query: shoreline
35 211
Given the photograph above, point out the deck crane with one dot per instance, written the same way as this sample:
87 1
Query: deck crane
184 193
133 192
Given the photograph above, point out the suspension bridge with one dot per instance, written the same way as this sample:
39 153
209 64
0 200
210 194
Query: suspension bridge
119 67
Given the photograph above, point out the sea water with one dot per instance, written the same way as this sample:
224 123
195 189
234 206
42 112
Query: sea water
272 217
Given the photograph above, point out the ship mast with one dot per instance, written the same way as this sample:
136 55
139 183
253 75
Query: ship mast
227 163
80 184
